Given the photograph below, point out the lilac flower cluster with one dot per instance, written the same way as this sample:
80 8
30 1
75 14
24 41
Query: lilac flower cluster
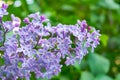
39 47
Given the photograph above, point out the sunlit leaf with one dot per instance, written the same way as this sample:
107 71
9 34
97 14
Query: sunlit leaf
104 39
98 64
103 77
87 76
67 7
117 77
110 4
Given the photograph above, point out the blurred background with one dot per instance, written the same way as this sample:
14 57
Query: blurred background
104 15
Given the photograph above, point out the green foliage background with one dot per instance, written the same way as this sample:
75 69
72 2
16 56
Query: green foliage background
104 15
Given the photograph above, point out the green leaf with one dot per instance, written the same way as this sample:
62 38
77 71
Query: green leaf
77 65
64 78
103 77
110 4
80 66
33 77
19 64
98 64
1 60
117 77
104 39
67 7
34 7
87 76
1 43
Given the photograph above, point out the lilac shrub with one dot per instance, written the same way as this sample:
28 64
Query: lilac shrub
39 48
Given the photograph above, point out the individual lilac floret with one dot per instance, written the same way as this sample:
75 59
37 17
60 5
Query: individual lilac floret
4 6
83 25
39 48
10 25
15 21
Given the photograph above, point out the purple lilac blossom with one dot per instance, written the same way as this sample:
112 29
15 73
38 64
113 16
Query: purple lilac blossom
38 48
1 35
3 10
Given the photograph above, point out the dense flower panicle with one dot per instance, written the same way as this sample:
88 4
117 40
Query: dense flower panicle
39 48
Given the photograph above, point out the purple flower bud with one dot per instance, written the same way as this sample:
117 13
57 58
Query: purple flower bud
42 18
89 28
4 6
26 20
